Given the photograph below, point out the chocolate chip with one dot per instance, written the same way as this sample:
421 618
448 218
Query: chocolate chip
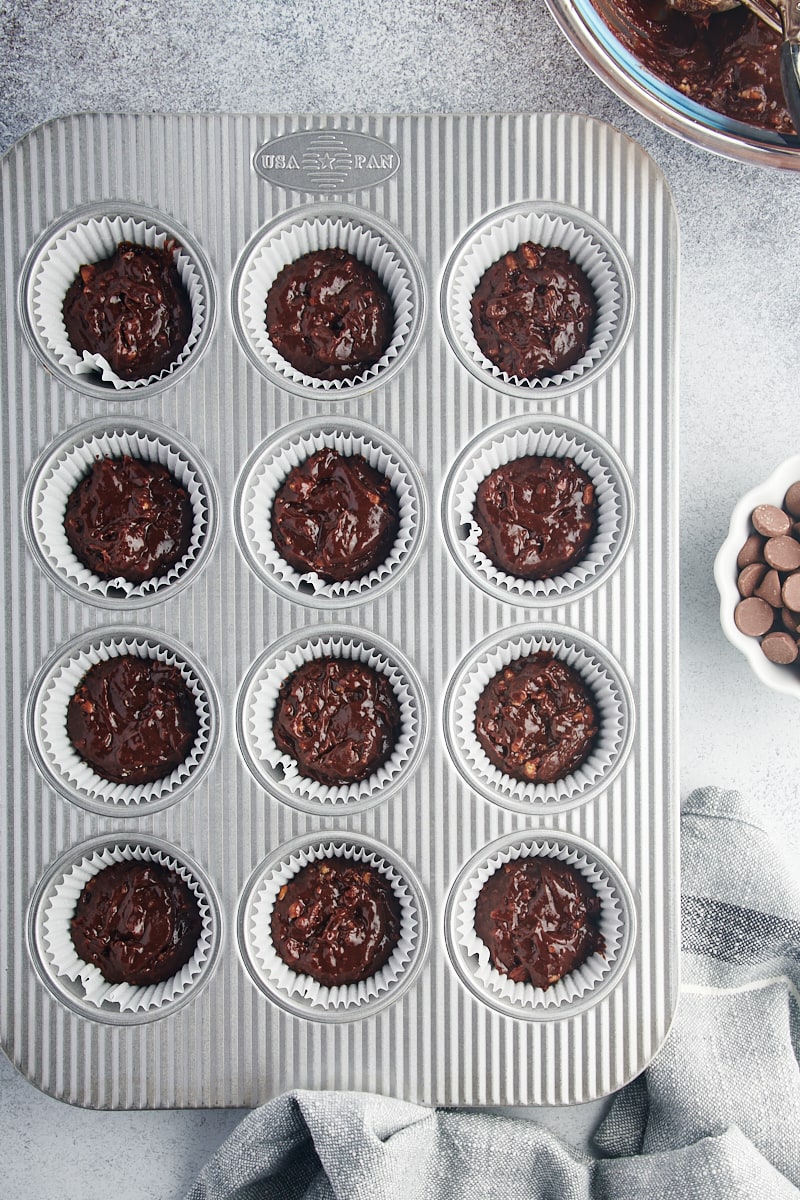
783 553
750 551
750 577
791 501
790 592
780 648
753 616
770 520
791 620
770 589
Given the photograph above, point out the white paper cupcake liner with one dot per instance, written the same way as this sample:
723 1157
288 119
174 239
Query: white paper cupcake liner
279 772
288 985
268 474
58 950
578 983
74 777
285 245
610 695
86 242
54 480
554 439
551 226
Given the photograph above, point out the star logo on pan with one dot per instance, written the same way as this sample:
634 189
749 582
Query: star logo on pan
328 162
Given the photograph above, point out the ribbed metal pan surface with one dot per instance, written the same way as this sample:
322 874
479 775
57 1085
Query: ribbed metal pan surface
428 191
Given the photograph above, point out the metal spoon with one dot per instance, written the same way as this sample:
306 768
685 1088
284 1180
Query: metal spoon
784 18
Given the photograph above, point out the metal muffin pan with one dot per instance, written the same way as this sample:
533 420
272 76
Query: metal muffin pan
420 192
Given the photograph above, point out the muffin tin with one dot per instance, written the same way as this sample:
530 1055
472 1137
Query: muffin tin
422 198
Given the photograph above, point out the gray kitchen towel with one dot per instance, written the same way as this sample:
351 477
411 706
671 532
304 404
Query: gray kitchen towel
716 1115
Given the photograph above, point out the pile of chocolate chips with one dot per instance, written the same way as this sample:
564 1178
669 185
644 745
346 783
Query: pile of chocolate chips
769 579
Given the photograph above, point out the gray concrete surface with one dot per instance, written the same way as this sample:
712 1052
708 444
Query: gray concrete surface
739 369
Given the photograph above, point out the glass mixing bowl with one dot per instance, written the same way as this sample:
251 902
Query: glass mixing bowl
589 27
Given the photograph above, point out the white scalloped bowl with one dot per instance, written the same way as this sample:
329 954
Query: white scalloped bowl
771 491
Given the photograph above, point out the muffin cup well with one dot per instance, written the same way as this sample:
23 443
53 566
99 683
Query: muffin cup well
267 471
62 467
573 992
610 694
81 984
278 772
318 228
299 993
546 224
551 437
57 758
86 237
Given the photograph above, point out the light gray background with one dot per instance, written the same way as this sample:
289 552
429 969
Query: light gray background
739 354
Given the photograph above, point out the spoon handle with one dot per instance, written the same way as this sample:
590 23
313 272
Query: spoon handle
790 78
767 12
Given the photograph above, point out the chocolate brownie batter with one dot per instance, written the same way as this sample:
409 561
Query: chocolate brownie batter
128 519
533 311
338 719
133 720
725 60
137 922
535 719
540 919
131 308
337 921
329 315
537 515
335 515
